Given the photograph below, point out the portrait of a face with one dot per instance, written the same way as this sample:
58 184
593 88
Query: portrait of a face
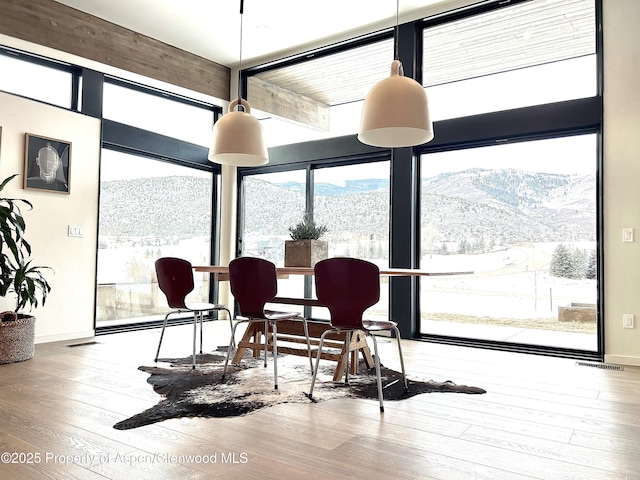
48 161
47 164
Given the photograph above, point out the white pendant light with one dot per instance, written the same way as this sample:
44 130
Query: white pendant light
396 110
238 138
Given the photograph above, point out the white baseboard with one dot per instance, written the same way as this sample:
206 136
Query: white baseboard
622 360
63 337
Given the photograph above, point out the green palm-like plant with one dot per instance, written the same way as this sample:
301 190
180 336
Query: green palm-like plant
17 274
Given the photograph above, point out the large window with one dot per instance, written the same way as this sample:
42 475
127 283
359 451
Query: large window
148 209
273 202
157 112
527 54
51 83
508 189
353 202
522 218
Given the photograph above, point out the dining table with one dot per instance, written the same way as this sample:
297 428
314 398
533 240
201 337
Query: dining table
222 274
291 330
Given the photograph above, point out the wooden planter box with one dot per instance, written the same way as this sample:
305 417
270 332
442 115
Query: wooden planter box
17 339
304 253
578 312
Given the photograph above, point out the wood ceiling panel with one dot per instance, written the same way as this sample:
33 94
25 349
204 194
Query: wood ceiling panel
527 34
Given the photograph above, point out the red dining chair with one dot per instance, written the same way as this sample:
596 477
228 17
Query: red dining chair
175 279
254 282
348 286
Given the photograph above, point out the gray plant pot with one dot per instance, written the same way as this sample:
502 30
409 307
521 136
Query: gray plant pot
17 339
304 253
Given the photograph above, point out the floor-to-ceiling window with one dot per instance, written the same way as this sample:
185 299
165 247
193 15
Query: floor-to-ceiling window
273 202
522 218
157 198
158 192
513 197
148 209
510 84
352 201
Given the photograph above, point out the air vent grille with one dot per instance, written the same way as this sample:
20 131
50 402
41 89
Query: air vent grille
599 365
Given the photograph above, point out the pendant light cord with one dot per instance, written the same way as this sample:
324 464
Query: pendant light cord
240 65
397 30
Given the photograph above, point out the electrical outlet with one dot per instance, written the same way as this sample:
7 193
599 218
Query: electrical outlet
75 231
627 320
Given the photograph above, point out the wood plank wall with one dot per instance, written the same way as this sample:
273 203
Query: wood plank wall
54 25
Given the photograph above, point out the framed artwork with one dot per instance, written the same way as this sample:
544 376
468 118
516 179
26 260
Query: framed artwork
47 164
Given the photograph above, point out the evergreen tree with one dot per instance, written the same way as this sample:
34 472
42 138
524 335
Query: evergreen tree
579 263
591 270
561 262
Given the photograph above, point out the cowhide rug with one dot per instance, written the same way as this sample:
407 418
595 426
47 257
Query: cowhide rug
248 387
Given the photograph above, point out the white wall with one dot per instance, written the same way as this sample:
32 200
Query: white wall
69 309
621 177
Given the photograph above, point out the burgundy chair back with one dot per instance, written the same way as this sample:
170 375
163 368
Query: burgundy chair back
347 286
253 283
175 279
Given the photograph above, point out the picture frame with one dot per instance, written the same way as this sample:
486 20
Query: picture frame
47 164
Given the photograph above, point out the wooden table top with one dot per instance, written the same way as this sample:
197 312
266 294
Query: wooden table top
309 271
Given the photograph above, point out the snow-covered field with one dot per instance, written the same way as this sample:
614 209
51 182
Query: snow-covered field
511 283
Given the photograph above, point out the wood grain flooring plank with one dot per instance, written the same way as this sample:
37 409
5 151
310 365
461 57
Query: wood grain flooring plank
432 411
543 418
608 461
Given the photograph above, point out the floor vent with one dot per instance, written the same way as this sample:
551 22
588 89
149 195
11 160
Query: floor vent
83 344
599 365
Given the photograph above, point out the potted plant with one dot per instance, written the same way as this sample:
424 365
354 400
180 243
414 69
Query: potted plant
305 248
20 278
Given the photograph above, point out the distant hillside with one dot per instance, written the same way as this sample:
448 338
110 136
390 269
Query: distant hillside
510 205
172 206
503 206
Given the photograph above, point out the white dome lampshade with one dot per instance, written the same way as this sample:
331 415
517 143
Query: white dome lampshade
396 112
238 138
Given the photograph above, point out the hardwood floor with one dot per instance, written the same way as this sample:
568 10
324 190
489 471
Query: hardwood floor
542 418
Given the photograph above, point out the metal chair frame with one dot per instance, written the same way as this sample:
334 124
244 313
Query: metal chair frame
253 283
175 279
348 286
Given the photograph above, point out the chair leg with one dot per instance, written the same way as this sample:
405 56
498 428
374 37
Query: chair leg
306 334
266 341
275 354
315 370
230 348
404 376
347 345
377 360
201 315
195 330
230 322
164 325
